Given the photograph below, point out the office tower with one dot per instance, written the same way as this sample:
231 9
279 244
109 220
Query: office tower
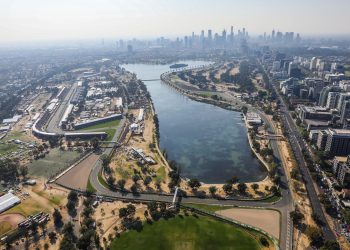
332 100
264 36
298 39
313 63
130 49
202 35
345 112
273 35
342 99
186 41
210 37
223 36
243 33
338 142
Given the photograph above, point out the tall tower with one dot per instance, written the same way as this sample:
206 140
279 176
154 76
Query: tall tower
273 34
210 36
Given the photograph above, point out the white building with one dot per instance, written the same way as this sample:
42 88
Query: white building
7 201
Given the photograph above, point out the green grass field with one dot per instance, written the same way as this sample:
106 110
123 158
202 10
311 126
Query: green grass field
110 134
102 180
187 233
27 207
5 227
208 208
5 148
53 163
90 187
110 124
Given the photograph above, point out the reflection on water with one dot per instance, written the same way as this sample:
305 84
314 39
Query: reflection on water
209 142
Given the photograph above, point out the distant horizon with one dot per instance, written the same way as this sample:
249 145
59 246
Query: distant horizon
40 20
109 40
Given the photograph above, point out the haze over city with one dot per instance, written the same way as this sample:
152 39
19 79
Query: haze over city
35 20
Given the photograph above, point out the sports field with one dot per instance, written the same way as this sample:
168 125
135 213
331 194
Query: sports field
188 233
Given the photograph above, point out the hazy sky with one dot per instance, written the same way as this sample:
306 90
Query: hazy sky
22 20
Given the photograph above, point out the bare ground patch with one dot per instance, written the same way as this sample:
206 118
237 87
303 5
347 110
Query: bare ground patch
268 220
78 176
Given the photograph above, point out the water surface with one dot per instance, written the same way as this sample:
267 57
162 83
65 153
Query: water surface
209 142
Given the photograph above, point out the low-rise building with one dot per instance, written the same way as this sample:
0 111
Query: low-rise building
7 201
253 119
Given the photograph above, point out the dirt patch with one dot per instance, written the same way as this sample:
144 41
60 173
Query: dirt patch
78 176
13 219
268 220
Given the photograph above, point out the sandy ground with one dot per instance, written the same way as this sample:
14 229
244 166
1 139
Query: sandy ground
107 217
268 220
78 176
13 219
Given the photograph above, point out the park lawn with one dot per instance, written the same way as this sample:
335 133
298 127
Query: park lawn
53 163
27 207
102 180
90 187
109 124
161 174
272 199
9 147
5 226
110 134
55 200
208 208
187 233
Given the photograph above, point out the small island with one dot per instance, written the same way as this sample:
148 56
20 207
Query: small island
178 65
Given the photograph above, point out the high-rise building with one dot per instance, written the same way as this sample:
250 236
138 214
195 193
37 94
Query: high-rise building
332 100
313 63
338 142
273 35
345 112
343 97
223 36
210 36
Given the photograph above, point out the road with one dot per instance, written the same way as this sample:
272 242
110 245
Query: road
54 121
298 144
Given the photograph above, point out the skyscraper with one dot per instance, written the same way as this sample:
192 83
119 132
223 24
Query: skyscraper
223 36
210 36
273 35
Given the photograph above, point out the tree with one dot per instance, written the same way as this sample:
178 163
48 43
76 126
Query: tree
106 160
315 236
121 183
131 209
194 183
244 110
264 241
52 237
136 178
212 190
255 186
330 245
73 196
94 142
147 180
57 217
227 188
296 216
111 180
23 170
242 188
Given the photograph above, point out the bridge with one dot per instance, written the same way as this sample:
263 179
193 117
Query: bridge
150 80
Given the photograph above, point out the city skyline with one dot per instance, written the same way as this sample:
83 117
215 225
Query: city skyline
38 20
